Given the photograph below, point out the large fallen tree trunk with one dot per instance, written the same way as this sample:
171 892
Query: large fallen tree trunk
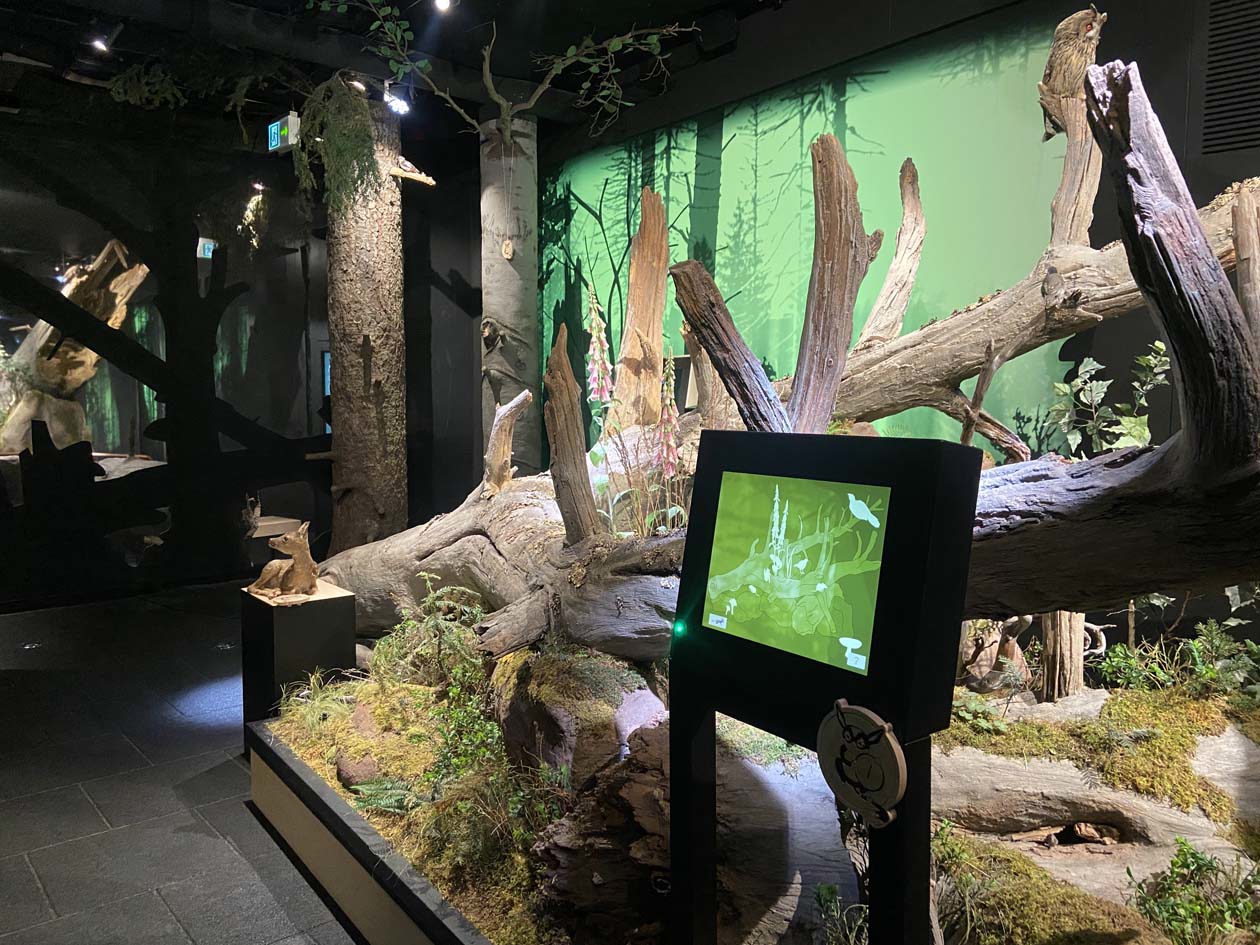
1050 535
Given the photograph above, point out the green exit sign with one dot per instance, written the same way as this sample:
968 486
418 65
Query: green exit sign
282 134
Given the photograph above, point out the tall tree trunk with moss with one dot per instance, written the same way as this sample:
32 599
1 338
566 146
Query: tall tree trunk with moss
365 331
511 334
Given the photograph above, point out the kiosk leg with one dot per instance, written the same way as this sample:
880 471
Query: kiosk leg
901 864
693 821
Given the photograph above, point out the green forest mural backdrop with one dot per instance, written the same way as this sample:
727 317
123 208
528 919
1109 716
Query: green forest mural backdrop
737 188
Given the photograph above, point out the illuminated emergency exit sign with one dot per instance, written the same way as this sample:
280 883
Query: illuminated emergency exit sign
282 134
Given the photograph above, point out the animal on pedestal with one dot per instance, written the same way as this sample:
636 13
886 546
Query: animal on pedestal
296 576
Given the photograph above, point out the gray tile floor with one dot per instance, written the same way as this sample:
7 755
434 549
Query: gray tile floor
122 814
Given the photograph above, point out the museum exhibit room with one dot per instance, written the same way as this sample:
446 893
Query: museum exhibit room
641 472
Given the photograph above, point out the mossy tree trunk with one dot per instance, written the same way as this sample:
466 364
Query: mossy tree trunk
365 332
511 333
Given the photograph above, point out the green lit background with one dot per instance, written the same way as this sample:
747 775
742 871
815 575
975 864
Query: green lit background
737 188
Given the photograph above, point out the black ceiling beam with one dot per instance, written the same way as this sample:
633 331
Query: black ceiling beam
234 24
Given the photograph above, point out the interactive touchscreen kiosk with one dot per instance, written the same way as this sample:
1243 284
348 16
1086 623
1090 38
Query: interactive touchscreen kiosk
821 600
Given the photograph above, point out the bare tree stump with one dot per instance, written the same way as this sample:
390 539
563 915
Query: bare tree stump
888 311
1063 649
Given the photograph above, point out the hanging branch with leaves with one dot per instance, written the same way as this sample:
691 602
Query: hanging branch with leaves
599 63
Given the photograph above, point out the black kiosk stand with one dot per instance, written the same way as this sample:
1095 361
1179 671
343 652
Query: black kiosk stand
818 569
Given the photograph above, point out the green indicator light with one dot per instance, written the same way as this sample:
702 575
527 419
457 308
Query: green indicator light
679 628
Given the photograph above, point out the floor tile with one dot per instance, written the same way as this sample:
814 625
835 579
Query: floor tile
21 901
236 822
134 796
165 734
43 767
85 873
44 819
300 902
232 907
139 920
331 933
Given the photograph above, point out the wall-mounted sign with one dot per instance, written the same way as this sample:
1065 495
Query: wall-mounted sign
282 134
206 248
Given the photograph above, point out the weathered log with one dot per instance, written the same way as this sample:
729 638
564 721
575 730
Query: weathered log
889 308
498 460
569 473
1185 514
1063 639
1246 217
637 395
1087 287
842 253
740 370
715 405
955 404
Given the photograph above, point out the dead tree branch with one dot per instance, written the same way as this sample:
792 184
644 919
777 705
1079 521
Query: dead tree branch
637 396
842 253
498 461
1246 218
889 309
569 472
740 371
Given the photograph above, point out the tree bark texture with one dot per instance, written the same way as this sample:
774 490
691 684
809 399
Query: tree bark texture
842 253
511 332
888 311
365 330
637 394
1246 218
1063 645
566 433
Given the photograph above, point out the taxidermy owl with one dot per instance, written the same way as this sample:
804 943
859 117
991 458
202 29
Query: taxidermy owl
1073 51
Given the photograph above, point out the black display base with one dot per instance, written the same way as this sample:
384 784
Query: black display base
282 645
353 867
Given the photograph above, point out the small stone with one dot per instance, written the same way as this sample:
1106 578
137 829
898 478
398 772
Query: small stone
350 773
363 657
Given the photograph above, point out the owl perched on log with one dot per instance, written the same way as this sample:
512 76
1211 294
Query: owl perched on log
1073 51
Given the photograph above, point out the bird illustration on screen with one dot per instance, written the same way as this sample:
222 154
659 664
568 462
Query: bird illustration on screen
1072 52
860 510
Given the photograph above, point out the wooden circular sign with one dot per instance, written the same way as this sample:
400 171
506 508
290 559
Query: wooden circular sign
862 762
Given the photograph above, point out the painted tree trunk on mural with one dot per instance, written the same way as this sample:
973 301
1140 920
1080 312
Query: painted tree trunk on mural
510 328
707 189
365 331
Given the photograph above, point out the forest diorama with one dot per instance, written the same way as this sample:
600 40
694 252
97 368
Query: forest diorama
507 728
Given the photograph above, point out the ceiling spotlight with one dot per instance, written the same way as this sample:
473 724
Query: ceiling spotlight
357 85
102 42
397 105
442 5
259 186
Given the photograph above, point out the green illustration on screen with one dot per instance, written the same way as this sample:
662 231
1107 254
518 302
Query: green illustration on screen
795 565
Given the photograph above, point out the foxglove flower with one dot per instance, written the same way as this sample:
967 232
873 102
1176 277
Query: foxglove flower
667 429
599 379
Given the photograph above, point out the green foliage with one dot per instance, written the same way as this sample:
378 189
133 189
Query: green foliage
149 85
388 795
337 135
1212 662
1080 413
840 924
977 714
433 646
313 703
1198 900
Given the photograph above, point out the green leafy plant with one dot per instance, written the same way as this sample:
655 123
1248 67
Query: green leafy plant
840 923
1212 662
1199 900
977 714
434 645
389 795
337 135
1081 414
